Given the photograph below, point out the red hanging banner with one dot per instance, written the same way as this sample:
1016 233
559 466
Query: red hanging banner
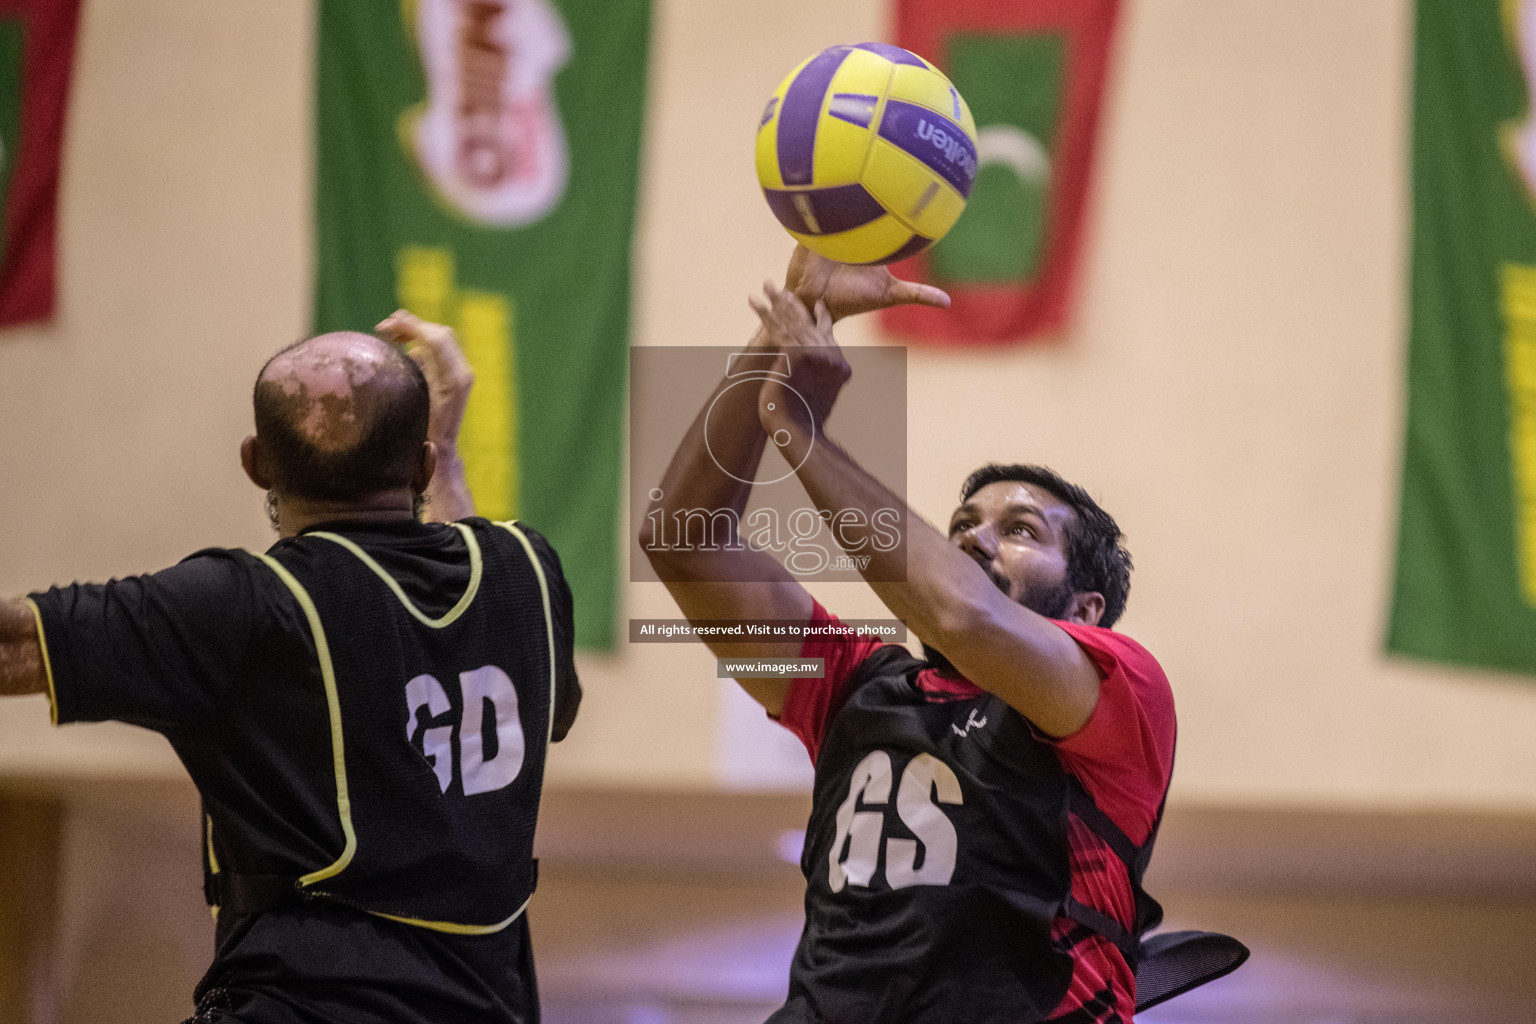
37 52
1033 73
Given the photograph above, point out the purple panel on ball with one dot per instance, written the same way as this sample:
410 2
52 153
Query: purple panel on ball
855 108
783 206
800 112
912 246
824 211
894 54
773 104
934 139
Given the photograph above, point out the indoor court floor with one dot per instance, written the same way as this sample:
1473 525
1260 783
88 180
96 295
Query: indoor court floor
684 908
701 951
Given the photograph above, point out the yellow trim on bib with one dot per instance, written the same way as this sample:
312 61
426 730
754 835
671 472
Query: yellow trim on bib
450 927
213 858
333 701
549 624
475 568
42 642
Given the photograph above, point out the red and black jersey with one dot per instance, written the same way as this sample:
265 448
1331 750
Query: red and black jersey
954 854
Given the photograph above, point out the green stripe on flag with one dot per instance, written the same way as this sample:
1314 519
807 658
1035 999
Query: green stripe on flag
477 164
1014 85
12 54
1465 590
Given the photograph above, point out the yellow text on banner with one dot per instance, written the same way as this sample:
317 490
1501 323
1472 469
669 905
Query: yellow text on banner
1518 302
426 285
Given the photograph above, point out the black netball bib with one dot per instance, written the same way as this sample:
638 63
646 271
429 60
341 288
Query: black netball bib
936 862
439 728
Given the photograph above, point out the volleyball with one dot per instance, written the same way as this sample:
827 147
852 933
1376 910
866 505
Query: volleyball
866 153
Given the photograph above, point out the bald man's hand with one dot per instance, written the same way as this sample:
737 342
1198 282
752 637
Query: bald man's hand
449 380
448 373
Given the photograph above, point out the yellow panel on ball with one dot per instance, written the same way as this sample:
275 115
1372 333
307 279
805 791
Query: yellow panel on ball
767 157
848 109
906 187
935 220
864 244
767 154
862 72
841 149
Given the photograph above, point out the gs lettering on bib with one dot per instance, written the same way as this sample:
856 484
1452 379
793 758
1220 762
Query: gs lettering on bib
936 860
857 844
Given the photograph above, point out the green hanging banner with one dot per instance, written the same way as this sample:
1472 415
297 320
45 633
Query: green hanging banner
1466 566
477 164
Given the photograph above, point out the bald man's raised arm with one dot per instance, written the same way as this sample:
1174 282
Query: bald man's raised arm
449 380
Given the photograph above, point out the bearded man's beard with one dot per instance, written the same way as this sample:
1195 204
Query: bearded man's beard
1052 602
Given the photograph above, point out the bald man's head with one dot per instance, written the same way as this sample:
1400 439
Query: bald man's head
341 416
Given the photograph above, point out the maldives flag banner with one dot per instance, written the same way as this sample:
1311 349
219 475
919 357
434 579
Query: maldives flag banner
477 164
37 52
1033 73
1465 590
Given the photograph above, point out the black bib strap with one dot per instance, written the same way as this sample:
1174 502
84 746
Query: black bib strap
1104 925
1081 804
250 894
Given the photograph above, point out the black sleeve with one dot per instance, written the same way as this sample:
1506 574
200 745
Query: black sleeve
155 651
567 686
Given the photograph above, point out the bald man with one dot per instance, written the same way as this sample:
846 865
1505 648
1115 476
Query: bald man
365 707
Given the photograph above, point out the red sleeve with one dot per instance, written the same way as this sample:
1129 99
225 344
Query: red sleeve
811 703
1124 754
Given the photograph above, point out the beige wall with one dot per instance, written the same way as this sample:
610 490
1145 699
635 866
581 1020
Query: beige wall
1230 385
184 261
